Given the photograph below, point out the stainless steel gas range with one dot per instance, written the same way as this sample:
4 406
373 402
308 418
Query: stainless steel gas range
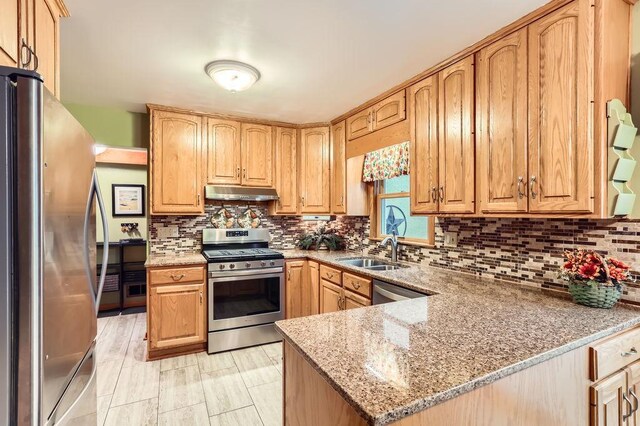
246 288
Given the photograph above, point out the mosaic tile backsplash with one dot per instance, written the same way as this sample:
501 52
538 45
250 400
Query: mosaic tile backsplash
526 251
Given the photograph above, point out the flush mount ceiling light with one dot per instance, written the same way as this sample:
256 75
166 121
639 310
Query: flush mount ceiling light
232 75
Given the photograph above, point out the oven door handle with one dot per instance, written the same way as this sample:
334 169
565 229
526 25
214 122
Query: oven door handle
260 273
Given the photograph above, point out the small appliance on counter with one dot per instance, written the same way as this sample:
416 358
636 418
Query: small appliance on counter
245 286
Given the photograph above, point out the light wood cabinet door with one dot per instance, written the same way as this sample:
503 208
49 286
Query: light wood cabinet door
338 164
389 111
423 122
314 287
286 178
314 170
223 152
176 315
359 124
353 300
560 111
46 44
176 152
330 297
456 140
257 155
9 32
294 293
607 403
501 111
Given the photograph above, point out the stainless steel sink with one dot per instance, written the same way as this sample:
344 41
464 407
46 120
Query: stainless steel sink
372 264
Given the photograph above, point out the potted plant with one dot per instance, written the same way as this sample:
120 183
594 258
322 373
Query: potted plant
321 237
594 280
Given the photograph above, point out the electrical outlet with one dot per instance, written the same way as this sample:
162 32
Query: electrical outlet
451 239
168 232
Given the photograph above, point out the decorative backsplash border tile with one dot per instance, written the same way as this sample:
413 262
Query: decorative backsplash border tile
526 251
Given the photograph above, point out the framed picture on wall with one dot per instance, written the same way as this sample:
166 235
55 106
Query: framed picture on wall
127 200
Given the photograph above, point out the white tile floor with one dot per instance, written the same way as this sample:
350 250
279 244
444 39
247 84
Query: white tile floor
242 387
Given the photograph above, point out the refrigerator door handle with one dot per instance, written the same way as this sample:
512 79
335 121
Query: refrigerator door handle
95 191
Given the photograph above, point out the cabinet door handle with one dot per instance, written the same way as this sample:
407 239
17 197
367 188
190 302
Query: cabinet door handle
520 181
302 200
198 199
441 193
238 171
373 116
177 277
369 118
635 399
434 194
28 54
629 405
342 200
289 275
201 297
340 302
630 352
244 173
531 191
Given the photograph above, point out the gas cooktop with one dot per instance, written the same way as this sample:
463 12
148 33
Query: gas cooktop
235 254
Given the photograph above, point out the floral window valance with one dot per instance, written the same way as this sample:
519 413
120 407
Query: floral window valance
386 163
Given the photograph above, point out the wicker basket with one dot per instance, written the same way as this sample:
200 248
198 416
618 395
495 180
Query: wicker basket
596 296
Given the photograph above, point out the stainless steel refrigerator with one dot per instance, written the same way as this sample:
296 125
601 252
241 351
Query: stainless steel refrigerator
50 290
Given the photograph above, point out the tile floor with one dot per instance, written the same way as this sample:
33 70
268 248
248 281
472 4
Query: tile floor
242 387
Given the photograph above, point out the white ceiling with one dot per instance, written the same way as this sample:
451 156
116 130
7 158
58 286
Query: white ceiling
318 58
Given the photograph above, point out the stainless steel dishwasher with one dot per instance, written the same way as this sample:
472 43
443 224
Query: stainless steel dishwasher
386 293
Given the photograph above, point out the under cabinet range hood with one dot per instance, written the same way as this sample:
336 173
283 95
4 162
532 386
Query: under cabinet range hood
239 193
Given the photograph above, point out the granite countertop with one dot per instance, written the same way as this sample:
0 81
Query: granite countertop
174 259
390 361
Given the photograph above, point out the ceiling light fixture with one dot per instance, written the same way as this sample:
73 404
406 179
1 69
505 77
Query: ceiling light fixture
232 75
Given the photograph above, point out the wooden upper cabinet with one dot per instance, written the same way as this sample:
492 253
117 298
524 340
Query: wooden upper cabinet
338 164
607 403
501 112
223 152
423 122
176 163
286 178
456 140
389 111
9 32
561 171
47 41
257 155
359 124
314 170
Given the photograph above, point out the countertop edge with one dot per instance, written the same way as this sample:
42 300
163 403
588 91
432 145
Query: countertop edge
421 405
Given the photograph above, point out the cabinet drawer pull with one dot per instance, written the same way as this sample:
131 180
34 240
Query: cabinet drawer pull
629 405
630 352
329 275
176 277
355 285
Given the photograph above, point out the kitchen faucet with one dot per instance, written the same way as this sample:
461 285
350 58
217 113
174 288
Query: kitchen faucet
393 239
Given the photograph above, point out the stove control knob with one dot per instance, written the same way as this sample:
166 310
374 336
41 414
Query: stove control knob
273 263
232 266
248 265
221 266
263 263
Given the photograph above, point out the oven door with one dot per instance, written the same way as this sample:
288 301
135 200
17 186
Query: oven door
245 298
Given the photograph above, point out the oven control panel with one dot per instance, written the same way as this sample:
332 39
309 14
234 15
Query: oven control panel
218 269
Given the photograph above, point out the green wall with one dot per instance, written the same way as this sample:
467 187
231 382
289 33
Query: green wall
112 126
116 127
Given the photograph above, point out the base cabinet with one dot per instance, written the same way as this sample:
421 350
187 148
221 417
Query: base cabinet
330 297
176 301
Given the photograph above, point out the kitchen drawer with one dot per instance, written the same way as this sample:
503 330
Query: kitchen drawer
357 284
612 354
330 274
177 275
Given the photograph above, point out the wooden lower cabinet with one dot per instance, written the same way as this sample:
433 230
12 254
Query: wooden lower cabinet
330 297
294 288
314 287
607 403
176 311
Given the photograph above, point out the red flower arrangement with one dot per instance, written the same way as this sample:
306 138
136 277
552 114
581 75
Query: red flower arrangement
587 267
